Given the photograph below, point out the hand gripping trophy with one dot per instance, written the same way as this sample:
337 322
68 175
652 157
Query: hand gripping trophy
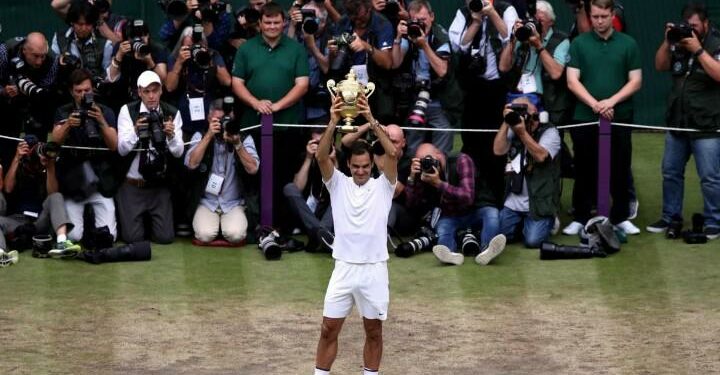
348 90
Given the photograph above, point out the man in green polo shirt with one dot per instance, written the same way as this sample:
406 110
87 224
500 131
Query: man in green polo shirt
271 76
604 72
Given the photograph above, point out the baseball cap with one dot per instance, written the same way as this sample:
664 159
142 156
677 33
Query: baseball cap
147 78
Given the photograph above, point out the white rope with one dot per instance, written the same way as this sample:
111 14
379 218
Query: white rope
637 126
433 129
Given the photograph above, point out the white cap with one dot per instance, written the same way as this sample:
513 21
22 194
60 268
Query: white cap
147 78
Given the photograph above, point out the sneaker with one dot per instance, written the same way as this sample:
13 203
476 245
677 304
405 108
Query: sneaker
628 227
66 249
326 240
494 248
573 229
8 258
556 226
659 226
712 232
446 256
633 209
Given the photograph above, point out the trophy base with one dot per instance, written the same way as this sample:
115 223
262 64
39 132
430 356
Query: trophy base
347 129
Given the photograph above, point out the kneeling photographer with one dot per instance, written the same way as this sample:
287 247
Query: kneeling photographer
87 176
449 183
155 128
423 49
221 160
532 172
36 210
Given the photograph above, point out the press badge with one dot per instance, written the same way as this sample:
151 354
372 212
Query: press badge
197 109
361 74
214 184
527 84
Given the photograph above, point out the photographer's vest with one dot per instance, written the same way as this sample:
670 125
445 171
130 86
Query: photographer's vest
70 171
493 35
694 100
134 111
558 101
542 179
91 53
247 186
483 195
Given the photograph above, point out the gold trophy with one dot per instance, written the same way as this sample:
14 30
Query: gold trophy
349 89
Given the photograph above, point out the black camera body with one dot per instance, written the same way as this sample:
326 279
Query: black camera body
469 243
87 123
199 54
478 5
415 29
134 33
679 31
695 235
153 131
423 241
530 25
342 42
429 164
518 114
310 23
31 162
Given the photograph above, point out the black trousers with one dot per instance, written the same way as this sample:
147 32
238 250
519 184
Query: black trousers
585 148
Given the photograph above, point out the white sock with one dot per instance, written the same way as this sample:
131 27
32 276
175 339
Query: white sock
370 372
321 372
61 238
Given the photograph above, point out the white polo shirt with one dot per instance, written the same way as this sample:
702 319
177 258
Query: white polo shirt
360 215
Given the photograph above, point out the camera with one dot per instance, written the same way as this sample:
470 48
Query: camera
415 29
135 33
429 164
31 162
87 123
310 23
153 131
392 11
70 61
200 55
529 26
552 251
478 5
423 241
175 9
470 244
678 32
342 42
251 15
417 115
695 235
269 245
674 229
518 114
25 84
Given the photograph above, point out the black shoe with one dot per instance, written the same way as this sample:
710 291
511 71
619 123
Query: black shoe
659 226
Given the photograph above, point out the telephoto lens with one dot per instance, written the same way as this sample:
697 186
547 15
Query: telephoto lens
269 245
470 244
423 241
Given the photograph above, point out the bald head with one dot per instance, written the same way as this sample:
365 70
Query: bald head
397 137
35 49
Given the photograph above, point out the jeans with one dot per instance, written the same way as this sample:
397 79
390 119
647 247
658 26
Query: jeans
534 231
678 148
487 217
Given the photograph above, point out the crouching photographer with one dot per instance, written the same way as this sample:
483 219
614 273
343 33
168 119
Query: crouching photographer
532 172
86 176
36 210
449 183
422 48
156 128
223 158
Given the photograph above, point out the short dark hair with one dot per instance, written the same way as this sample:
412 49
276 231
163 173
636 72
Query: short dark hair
82 9
360 147
272 9
352 7
695 7
603 4
79 76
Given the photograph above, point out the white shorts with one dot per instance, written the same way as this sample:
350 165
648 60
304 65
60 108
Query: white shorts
365 284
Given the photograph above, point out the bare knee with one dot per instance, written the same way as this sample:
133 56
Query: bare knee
373 329
330 329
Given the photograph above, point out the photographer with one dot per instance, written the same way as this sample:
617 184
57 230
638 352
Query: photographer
691 52
537 63
308 26
80 45
34 204
28 81
362 40
135 54
197 76
533 173
603 87
309 199
107 22
212 14
424 47
479 31
221 157
86 177
156 128
449 183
